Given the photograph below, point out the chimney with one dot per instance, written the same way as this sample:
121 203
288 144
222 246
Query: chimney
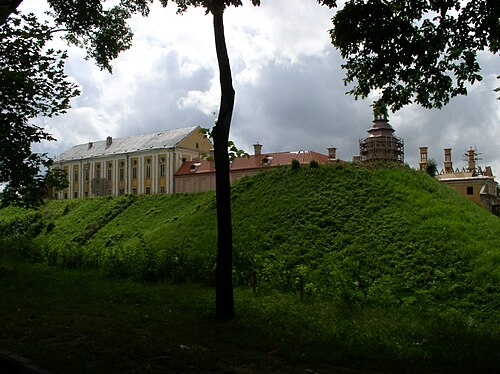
332 153
471 154
257 149
109 140
423 158
90 145
448 165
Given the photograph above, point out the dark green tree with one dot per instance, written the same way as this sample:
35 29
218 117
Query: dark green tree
32 84
431 167
415 51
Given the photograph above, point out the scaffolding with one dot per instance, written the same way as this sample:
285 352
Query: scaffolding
382 148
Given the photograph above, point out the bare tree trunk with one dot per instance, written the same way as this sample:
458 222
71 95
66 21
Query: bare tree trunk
224 300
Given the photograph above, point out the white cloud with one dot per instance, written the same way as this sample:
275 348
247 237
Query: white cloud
289 89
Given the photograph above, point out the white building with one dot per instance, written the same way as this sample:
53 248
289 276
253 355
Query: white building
139 164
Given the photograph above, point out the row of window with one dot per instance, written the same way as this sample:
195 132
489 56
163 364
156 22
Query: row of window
121 175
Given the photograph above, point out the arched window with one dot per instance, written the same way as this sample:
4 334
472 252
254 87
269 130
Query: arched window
162 167
122 170
110 171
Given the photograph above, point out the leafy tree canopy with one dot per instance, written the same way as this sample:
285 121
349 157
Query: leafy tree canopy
421 51
32 83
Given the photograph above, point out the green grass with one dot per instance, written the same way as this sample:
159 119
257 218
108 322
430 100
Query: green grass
348 234
333 265
81 322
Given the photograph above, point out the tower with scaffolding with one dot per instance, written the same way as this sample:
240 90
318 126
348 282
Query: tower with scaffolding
381 143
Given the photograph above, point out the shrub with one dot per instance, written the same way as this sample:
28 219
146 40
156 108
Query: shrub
295 164
313 164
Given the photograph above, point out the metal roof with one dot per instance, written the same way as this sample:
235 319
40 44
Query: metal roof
135 143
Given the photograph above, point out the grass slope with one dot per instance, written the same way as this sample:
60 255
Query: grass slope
348 234
342 268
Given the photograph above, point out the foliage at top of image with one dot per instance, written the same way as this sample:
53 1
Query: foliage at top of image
32 83
422 51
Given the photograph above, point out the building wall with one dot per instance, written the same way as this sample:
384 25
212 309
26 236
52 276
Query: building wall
470 189
141 172
206 181
138 173
483 191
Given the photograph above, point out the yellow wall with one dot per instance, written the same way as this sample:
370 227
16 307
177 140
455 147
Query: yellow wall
191 141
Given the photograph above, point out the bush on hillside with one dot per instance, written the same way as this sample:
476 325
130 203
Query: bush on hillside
354 235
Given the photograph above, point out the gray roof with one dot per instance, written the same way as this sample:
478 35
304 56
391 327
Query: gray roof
135 143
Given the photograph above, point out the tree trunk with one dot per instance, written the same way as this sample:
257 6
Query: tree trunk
224 300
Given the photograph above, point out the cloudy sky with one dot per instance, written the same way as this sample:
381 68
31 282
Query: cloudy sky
289 90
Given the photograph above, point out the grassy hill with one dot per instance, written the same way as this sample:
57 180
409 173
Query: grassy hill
351 235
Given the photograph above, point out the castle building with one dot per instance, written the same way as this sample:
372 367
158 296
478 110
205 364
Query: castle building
139 164
199 176
473 182
381 143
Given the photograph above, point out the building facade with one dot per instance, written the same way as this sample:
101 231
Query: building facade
473 182
199 176
140 164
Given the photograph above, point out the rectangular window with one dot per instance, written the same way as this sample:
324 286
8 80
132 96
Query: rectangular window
470 190
134 170
75 195
87 175
122 191
162 189
75 176
148 190
122 174
109 175
162 170
148 169
134 191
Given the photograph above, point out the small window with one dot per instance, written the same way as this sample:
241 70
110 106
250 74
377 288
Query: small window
197 145
75 195
162 189
470 190
134 191
148 190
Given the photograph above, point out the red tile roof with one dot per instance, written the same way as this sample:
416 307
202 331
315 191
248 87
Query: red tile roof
265 160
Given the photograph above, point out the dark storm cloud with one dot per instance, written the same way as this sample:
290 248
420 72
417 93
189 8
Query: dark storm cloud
301 106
